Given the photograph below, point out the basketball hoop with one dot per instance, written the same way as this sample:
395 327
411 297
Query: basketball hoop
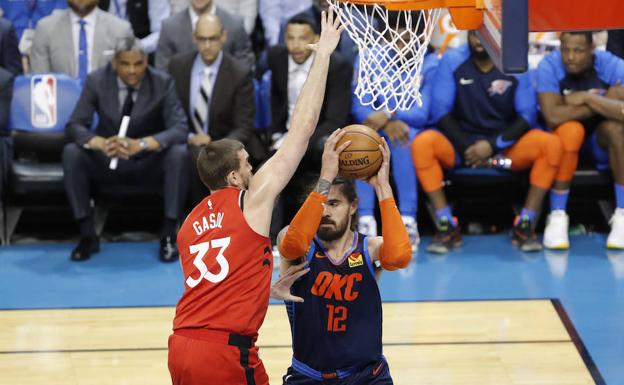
391 57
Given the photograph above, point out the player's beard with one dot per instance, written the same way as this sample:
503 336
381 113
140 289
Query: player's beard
328 234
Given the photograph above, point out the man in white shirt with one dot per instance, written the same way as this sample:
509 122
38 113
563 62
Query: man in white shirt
77 40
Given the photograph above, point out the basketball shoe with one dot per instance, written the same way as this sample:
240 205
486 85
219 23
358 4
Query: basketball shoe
412 230
556 231
446 238
367 225
616 236
523 236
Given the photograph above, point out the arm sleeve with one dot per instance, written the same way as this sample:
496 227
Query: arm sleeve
175 119
6 91
244 110
163 49
395 251
39 55
303 227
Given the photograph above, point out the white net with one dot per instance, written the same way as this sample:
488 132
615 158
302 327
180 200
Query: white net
392 47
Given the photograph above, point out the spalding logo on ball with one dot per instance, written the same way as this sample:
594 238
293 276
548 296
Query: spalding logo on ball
362 158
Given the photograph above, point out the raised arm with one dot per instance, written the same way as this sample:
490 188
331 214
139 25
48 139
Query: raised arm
393 248
271 179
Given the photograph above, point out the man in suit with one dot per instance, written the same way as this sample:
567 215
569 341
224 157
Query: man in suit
77 40
217 94
10 58
176 35
289 66
152 154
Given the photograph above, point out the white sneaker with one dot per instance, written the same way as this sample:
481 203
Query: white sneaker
556 231
412 230
616 236
367 225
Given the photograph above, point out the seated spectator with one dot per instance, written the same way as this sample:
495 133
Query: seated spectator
247 9
153 153
176 35
275 13
289 66
481 112
145 17
399 128
25 14
581 96
77 40
10 57
217 94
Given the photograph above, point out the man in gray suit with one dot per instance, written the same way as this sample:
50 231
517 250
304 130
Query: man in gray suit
176 35
153 152
77 40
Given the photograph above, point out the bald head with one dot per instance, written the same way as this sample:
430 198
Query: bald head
209 37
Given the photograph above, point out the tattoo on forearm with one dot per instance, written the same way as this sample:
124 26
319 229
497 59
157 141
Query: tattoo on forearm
323 186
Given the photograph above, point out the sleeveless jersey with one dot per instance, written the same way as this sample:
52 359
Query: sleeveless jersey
227 268
339 323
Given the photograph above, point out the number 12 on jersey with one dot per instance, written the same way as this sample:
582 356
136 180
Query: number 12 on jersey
336 318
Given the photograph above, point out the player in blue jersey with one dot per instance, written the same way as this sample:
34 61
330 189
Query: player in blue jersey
399 128
581 96
481 112
336 314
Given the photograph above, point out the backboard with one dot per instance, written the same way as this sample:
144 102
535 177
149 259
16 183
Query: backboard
506 24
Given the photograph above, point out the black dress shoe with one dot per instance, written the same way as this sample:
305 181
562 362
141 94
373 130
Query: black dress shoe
85 248
168 249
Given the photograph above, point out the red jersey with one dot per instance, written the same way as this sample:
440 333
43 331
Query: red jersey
227 268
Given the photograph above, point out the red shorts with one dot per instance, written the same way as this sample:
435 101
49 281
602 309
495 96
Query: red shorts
206 357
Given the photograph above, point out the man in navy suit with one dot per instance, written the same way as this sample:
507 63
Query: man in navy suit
153 153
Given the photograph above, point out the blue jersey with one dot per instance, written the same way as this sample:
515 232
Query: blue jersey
483 103
338 326
607 71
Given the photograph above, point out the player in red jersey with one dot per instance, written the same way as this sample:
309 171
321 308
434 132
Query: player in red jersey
224 247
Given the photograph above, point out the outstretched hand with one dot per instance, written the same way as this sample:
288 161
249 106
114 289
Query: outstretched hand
280 289
330 33
331 154
382 178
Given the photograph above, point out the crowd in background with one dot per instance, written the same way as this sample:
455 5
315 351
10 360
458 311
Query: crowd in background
190 72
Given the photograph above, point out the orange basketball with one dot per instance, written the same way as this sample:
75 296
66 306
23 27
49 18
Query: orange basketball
362 158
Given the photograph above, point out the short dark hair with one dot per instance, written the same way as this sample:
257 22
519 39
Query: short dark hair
305 20
216 160
589 35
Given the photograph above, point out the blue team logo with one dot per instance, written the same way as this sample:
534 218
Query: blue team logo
499 87
43 111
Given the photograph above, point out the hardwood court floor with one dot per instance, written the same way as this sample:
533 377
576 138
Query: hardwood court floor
465 342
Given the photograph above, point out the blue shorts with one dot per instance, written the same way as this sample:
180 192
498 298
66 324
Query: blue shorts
373 374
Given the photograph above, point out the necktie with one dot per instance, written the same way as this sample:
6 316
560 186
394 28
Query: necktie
126 110
202 103
82 52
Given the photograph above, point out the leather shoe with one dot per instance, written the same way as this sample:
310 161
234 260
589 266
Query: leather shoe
86 246
168 249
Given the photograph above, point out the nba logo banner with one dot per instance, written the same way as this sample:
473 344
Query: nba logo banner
43 104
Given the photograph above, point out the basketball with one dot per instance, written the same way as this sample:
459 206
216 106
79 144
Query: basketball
362 158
